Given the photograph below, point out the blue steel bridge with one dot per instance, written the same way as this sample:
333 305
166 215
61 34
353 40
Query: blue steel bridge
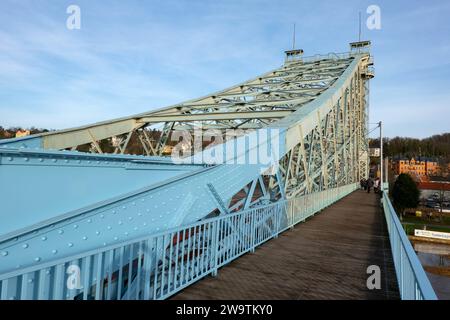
77 222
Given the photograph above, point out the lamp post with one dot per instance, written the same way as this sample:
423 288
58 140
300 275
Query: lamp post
380 124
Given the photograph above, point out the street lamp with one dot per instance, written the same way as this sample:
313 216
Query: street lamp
382 173
380 124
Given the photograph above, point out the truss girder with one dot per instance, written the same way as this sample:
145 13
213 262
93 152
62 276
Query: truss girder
278 92
320 137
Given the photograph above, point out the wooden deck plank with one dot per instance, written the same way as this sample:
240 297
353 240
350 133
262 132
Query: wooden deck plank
324 258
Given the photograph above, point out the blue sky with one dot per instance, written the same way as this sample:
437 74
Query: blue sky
133 56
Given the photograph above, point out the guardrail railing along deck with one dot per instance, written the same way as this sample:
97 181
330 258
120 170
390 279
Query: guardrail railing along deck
160 265
412 280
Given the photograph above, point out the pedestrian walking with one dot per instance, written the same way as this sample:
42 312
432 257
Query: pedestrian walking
369 184
362 183
376 185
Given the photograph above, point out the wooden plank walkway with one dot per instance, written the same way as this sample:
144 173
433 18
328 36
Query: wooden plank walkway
325 258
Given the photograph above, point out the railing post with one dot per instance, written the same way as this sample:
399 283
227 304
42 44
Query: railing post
277 215
215 248
401 273
291 204
253 231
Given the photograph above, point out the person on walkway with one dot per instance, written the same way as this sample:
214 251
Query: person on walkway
369 184
376 185
362 183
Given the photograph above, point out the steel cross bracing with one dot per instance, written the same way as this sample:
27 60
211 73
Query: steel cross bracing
70 202
333 152
250 105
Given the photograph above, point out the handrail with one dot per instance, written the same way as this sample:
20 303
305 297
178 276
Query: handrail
412 280
160 265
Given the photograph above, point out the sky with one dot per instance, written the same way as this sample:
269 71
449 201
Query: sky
133 56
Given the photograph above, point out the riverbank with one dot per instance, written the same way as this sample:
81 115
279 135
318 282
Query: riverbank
434 255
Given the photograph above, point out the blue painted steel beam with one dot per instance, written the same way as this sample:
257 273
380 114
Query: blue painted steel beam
130 197
164 203
54 185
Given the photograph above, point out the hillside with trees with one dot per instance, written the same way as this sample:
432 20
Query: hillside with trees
134 145
11 132
437 146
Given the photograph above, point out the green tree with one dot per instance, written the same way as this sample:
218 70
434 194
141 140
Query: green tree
405 193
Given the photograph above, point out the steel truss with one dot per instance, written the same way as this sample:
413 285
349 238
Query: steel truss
251 105
317 105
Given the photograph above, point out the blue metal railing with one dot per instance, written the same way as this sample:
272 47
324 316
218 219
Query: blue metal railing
158 266
412 281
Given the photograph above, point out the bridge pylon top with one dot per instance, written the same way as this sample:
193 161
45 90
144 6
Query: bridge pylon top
360 46
293 55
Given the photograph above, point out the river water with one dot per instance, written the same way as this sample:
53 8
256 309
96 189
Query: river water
435 255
